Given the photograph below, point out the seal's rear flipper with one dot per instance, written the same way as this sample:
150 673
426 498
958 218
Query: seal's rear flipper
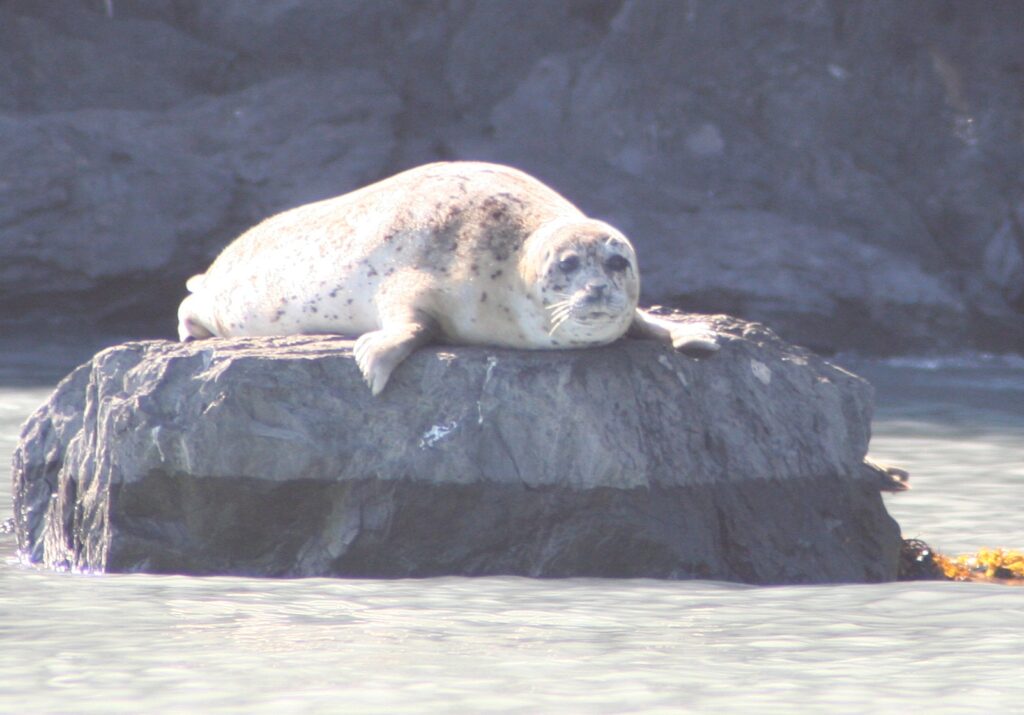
189 330
188 327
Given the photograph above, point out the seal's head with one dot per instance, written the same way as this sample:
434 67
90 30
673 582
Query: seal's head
583 273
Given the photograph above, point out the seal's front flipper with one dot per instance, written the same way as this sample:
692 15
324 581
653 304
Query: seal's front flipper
695 338
687 337
379 352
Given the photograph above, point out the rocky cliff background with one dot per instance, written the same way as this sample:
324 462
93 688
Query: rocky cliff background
851 174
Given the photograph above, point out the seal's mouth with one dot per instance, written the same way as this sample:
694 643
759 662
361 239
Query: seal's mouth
581 310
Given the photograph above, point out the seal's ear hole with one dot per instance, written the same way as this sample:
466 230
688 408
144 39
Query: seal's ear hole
617 263
568 264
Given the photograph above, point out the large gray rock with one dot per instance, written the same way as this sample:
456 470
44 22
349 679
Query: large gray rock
861 158
110 210
270 457
849 173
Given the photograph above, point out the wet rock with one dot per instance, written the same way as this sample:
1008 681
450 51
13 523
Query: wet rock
270 457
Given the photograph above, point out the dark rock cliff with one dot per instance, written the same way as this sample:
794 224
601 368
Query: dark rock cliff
849 173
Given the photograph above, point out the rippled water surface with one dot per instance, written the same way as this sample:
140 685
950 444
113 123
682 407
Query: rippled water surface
112 644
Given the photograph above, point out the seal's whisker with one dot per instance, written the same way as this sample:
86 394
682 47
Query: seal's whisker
560 312
559 316
567 303
559 322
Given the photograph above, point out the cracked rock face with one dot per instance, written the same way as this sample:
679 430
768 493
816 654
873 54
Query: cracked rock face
270 457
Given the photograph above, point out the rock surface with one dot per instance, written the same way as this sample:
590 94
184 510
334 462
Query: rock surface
849 174
269 457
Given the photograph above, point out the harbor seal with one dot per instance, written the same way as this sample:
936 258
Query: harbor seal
458 252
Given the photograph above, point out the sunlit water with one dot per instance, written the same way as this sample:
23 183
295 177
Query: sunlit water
132 644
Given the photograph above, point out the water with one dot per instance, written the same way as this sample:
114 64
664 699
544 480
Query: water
958 426
129 644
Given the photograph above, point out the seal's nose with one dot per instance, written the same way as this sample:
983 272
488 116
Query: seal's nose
595 291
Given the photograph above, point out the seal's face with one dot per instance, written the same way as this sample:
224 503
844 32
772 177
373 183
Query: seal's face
586 282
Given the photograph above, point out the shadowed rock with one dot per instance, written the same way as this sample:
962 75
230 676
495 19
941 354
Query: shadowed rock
270 457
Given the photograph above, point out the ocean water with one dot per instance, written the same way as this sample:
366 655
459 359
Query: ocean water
129 644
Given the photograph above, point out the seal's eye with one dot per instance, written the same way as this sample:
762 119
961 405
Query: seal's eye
569 264
617 263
